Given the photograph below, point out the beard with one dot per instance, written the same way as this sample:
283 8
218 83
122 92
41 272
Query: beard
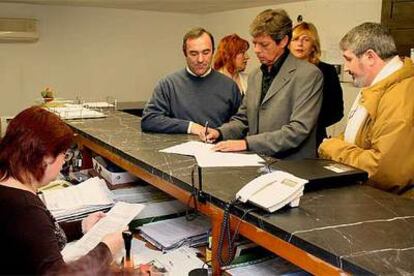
358 81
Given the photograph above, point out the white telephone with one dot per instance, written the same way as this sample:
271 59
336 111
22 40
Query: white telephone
274 190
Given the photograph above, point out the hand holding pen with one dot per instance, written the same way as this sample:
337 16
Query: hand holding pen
209 135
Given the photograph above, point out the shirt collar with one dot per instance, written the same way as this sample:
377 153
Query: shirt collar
276 65
202 76
390 67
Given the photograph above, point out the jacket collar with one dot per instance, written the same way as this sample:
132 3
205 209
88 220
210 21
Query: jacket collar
281 79
371 96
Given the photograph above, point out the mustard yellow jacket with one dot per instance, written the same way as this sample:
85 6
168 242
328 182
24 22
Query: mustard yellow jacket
384 145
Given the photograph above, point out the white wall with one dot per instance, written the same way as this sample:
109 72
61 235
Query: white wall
99 52
90 52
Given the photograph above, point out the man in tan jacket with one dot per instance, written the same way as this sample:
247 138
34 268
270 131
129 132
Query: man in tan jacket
379 135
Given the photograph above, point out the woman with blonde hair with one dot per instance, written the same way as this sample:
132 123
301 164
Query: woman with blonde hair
305 45
231 59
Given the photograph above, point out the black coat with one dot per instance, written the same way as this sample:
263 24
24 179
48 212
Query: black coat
332 109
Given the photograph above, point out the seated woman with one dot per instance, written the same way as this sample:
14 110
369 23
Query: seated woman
31 155
231 59
305 45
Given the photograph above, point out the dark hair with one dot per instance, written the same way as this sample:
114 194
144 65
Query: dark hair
227 50
275 23
32 135
196 33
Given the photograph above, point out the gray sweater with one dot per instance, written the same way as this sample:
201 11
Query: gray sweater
181 97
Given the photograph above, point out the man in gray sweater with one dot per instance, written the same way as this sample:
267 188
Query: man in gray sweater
187 100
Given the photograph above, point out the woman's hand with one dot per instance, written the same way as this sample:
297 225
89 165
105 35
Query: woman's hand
114 241
91 220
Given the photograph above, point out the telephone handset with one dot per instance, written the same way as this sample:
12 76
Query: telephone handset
274 190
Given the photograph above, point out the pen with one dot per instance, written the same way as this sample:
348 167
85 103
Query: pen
206 131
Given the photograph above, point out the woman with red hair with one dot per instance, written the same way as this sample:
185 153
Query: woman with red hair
31 155
231 59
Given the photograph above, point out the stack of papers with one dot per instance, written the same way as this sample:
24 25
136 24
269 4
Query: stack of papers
157 203
140 194
75 111
115 220
207 158
161 209
172 233
78 201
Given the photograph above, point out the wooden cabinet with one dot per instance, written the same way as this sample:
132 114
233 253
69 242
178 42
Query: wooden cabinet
398 17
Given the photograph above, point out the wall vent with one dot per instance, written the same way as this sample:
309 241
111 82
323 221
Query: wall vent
19 30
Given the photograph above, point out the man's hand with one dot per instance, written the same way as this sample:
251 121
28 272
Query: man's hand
91 220
196 128
231 145
209 135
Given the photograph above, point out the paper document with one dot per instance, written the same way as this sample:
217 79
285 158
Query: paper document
179 262
176 262
115 220
228 159
190 148
141 254
207 158
159 209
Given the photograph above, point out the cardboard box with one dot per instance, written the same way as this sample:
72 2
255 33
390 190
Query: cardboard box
113 178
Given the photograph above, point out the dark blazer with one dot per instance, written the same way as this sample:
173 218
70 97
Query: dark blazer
332 109
284 124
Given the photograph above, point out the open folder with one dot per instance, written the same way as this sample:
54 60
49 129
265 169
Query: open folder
77 201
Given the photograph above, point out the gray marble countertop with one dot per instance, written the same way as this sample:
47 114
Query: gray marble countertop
357 228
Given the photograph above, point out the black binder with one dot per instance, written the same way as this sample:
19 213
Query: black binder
322 173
